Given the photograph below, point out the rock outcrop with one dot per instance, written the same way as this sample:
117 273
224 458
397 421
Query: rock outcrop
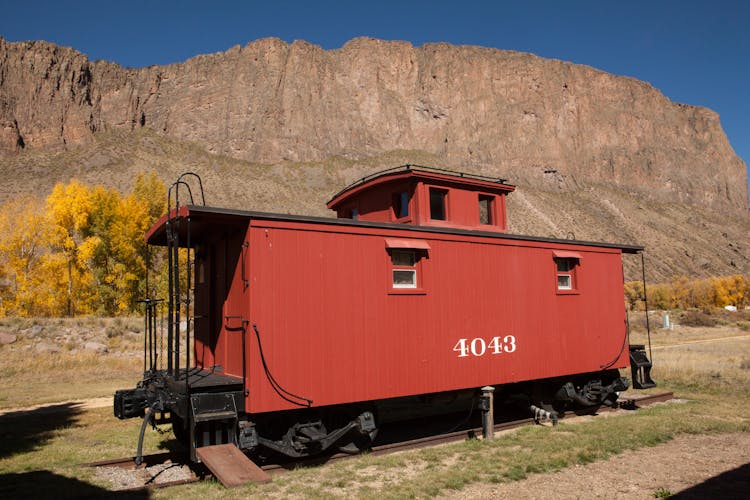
527 118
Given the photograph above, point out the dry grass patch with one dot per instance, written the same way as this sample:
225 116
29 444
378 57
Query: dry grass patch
686 334
65 377
699 358
50 363
692 363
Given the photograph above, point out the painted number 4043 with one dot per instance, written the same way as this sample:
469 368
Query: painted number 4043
479 347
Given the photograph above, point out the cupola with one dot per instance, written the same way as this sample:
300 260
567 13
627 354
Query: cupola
426 196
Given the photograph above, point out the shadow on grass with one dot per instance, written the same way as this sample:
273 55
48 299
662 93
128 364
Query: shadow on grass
46 484
172 446
27 430
733 483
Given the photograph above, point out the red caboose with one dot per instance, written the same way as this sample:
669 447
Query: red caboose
302 330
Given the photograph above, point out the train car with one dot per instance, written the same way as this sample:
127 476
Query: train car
303 334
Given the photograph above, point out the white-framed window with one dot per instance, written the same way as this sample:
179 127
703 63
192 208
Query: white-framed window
404 268
566 273
406 265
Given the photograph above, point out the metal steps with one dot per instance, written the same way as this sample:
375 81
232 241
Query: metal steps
640 367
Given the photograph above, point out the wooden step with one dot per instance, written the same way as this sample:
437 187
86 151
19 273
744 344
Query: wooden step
230 465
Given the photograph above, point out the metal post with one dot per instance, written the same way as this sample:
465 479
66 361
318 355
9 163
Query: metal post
146 337
170 311
177 301
645 305
188 317
488 412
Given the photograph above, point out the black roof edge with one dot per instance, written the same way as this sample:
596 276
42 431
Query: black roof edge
196 210
409 167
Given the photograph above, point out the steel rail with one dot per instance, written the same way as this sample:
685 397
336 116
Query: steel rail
629 403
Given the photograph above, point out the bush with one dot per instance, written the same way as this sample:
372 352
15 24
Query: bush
112 331
698 318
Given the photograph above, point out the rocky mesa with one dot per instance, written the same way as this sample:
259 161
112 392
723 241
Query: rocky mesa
509 113
281 127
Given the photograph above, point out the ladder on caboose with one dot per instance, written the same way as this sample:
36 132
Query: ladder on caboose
176 301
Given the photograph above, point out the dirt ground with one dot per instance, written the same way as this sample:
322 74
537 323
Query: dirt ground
690 466
700 466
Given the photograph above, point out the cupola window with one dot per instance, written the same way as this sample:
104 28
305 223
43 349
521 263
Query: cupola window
438 198
486 210
401 204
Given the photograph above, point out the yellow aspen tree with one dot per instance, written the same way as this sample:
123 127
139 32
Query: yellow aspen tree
118 259
743 298
721 293
149 189
128 250
51 286
79 251
70 207
101 260
680 293
4 287
633 294
701 294
734 288
659 296
24 230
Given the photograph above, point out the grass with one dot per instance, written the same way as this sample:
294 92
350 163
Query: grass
54 446
41 458
33 377
662 493
512 457
711 360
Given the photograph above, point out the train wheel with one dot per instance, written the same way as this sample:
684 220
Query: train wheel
359 443
359 439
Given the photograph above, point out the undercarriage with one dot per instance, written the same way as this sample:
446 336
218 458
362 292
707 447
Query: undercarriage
208 408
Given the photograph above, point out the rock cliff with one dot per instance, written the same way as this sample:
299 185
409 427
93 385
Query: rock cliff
536 121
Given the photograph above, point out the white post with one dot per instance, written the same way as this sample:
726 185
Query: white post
488 412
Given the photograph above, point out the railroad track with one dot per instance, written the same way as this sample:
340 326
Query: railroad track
198 472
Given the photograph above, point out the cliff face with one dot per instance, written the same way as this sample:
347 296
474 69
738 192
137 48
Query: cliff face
526 118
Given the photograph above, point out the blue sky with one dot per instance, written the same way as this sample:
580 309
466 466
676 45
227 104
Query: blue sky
695 52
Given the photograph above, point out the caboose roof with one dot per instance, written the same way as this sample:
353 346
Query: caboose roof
420 172
205 219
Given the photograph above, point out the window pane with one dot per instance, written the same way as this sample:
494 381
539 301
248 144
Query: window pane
485 209
404 212
564 265
564 282
404 278
403 258
437 204
401 204
396 205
